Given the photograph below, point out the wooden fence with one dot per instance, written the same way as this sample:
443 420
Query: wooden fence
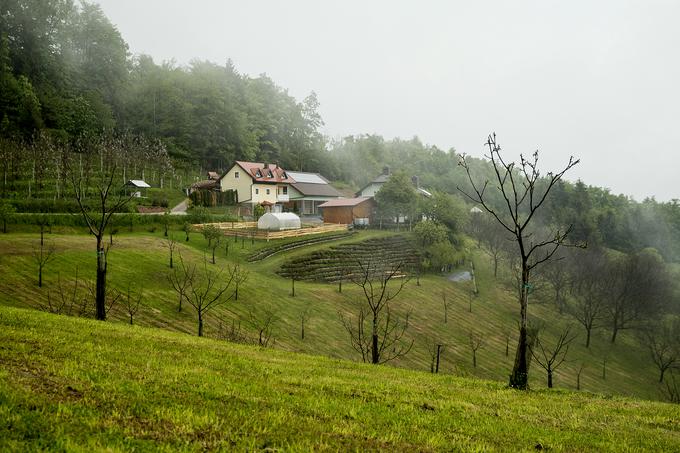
249 229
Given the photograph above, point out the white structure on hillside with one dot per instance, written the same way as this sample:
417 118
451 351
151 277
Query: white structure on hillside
279 221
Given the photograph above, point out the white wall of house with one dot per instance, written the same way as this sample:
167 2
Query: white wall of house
239 180
263 192
370 190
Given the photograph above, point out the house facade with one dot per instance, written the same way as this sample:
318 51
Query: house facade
277 189
370 189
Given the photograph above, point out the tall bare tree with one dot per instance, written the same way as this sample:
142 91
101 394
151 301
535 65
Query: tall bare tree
523 191
550 358
376 333
99 164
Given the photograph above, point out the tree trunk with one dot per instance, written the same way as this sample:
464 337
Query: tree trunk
663 370
550 380
170 259
520 373
40 276
302 332
615 331
474 359
200 323
439 348
100 299
588 329
375 355
179 308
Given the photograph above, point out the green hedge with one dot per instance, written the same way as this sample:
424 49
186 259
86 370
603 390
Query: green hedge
212 198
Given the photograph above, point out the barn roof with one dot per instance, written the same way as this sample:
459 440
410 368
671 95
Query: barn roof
344 202
137 183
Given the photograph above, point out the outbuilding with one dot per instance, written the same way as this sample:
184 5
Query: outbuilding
358 211
279 221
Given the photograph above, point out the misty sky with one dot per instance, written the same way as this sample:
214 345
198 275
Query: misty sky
597 79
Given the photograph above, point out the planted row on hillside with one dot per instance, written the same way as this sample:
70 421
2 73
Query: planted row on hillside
342 262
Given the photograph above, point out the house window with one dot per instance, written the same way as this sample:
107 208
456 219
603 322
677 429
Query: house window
284 189
258 174
267 191
271 175
236 175
257 191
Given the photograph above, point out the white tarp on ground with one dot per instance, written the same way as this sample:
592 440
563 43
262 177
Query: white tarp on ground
279 221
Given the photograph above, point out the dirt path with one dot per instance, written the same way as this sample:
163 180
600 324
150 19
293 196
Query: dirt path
180 209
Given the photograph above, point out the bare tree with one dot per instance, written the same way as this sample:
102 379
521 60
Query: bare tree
110 198
588 290
65 300
506 337
434 348
578 375
673 388
475 341
380 341
171 244
239 279
494 238
551 358
638 286
42 256
263 322
523 191
556 274
304 317
181 279
663 342
209 289
213 236
131 303
446 304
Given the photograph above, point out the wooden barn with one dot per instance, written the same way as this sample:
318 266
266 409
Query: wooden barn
358 211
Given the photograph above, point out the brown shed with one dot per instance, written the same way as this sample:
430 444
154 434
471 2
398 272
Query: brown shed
348 210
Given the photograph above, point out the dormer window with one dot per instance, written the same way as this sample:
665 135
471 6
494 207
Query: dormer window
271 175
284 175
258 174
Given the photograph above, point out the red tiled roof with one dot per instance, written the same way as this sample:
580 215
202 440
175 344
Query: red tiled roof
344 202
278 174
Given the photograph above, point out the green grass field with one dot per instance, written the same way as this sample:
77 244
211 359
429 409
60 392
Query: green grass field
141 261
81 385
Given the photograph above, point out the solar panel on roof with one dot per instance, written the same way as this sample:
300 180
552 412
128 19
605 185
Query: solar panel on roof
311 178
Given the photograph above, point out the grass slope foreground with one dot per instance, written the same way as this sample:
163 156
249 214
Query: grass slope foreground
75 384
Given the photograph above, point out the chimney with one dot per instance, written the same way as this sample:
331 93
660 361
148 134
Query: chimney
386 170
416 181
266 165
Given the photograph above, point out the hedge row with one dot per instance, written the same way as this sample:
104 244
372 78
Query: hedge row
212 198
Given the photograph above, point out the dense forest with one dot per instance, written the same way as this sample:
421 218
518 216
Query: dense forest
66 73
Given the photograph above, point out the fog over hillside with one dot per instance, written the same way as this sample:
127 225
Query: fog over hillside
593 80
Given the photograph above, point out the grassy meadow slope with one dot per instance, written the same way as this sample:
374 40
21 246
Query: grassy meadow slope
77 384
140 259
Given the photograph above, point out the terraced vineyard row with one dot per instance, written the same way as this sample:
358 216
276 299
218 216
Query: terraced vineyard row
269 251
342 262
